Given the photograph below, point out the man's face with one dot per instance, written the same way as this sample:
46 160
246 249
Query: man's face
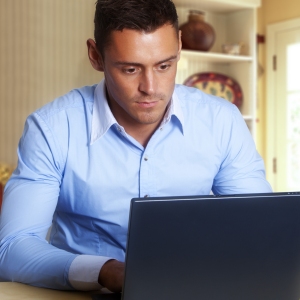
140 70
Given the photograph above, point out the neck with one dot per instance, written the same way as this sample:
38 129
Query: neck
141 133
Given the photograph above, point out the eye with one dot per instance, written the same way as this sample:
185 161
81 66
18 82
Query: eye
130 70
164 67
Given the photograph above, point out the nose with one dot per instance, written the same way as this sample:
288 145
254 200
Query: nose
147 83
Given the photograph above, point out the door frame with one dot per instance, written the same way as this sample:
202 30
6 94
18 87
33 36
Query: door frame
272 31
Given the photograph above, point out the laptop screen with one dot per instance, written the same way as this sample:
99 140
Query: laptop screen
213 247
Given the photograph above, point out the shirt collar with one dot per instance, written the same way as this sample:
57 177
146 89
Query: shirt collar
103 118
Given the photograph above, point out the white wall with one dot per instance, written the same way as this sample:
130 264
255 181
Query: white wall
42 55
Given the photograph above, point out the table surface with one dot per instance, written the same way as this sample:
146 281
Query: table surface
14 290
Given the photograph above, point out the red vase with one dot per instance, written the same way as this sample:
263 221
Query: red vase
196 33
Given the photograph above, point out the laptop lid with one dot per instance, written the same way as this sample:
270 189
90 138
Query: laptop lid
214 247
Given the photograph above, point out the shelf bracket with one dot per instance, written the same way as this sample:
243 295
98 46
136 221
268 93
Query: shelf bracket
274 62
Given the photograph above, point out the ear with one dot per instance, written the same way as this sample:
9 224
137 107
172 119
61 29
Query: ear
94 55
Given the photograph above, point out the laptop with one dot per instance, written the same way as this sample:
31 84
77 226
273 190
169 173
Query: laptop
233 247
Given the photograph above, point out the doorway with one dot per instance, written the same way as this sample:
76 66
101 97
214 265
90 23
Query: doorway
283 106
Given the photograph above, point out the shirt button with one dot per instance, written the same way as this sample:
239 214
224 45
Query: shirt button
145 158
119 129
161 128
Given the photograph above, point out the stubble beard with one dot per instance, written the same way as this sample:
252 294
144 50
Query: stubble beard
150 115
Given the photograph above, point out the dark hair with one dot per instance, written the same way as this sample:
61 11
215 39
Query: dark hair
142 15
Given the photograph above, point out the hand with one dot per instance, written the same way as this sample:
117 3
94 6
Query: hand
111 275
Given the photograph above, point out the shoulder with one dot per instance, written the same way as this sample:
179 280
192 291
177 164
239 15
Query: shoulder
65 117
75 99
195 102
57 124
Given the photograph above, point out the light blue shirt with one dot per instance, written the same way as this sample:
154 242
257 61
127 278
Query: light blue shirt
78 168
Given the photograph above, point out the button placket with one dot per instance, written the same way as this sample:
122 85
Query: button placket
145 177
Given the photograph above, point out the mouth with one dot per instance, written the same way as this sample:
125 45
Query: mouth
147 104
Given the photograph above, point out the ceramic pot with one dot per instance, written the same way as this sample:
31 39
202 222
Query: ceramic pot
196 33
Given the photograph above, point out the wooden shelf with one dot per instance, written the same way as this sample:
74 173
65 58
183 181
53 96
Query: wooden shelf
234 21
217 57
218 6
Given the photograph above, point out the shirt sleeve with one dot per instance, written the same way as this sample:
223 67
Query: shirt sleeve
84 272
242 169
30 199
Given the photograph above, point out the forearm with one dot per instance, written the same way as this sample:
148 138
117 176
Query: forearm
33 261
25 256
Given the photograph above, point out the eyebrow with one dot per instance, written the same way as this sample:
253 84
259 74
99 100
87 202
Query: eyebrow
127 63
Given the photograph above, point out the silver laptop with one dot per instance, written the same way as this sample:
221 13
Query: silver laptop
234 247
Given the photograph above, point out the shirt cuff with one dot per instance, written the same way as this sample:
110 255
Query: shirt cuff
84 272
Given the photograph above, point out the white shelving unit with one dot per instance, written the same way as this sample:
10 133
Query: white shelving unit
234 21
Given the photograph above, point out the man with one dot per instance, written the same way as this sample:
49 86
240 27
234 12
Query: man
85 155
